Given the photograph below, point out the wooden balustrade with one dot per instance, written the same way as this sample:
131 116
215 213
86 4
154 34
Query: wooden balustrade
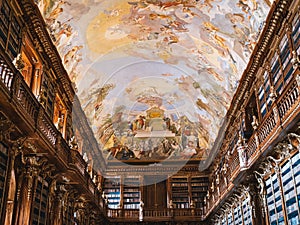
79 162
158 212
235 162
14 86
131 213
64 151
149 214
6 75
27 101
266 127
288 99
45 125
188 212
251 146
114 213
285 105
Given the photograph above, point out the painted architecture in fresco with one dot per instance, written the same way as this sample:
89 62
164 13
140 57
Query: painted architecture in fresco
183 57
154 136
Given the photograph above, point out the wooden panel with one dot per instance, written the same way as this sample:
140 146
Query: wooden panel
155 194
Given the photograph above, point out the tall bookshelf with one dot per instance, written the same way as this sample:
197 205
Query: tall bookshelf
14 41
112 190
3 171
229 218
4 18
187 189
180 192
199 186
47 93
247 211
274 200
10 32
237 214
39 213
290 185
131 193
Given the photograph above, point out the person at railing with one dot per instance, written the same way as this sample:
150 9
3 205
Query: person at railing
141 217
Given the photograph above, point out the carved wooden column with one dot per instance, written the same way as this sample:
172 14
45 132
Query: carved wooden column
80 211
6 128
11 181
242 153
29 173
256 206
58 204
262 198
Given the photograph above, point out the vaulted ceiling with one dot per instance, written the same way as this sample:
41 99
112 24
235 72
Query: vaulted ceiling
183 57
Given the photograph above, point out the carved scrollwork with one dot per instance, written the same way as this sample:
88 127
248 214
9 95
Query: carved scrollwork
283 149
272 94
294 140
73 144
295 60
262 191
31 168
7 128
266 166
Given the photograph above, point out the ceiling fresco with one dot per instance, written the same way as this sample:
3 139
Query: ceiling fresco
155 77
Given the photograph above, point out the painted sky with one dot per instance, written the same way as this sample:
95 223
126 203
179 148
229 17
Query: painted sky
185 56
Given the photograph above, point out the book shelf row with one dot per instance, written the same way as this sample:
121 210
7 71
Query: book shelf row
131 192
183 190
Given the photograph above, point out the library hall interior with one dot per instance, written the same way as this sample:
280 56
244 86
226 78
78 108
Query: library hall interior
149 112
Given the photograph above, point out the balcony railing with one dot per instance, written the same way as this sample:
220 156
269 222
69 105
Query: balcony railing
14 87
155 214
283 110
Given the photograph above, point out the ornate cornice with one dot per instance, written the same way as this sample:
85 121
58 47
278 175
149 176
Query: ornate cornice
155 170
37 28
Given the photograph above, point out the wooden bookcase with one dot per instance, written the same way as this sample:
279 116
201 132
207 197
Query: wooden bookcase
112 190
180 192
14 37
10 32
4 18
47 94
274 200
39 204
199 186
185 189
131 193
